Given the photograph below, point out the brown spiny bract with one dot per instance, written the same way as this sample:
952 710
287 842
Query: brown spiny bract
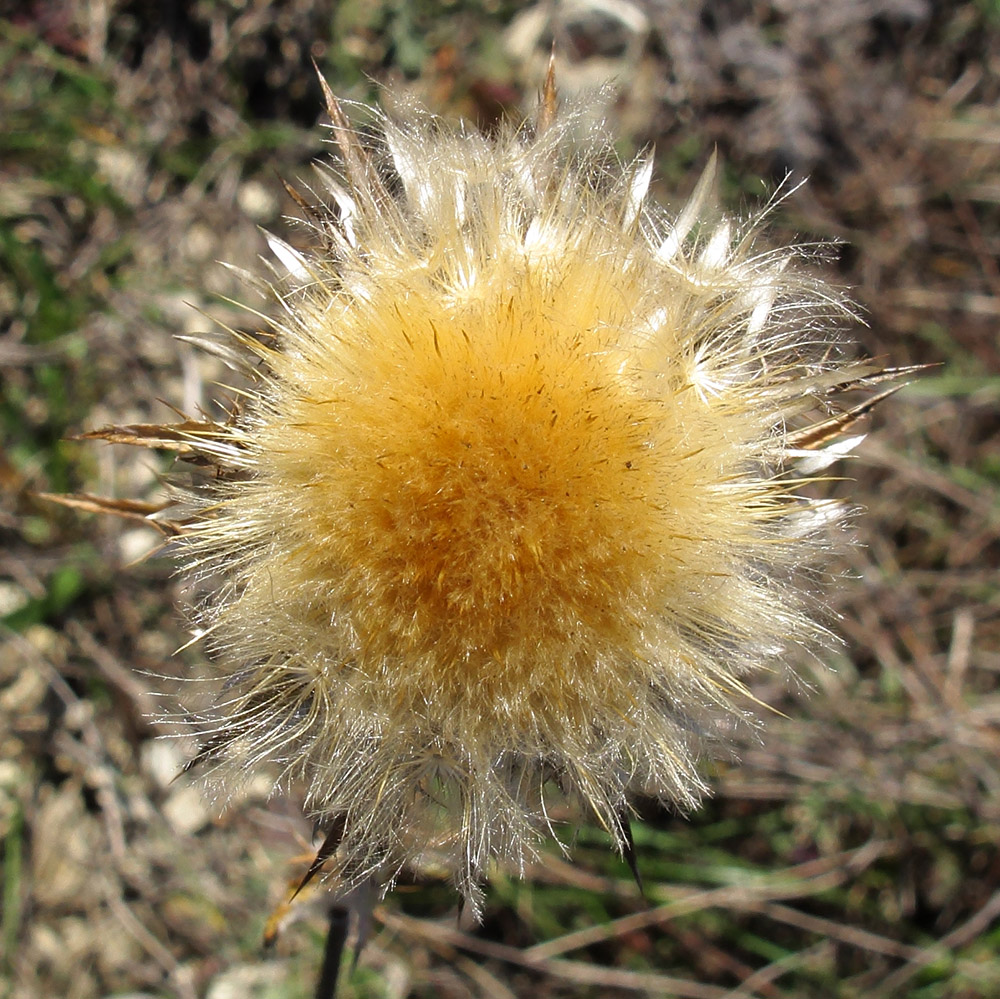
511 508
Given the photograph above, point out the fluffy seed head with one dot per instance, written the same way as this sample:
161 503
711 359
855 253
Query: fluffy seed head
509 511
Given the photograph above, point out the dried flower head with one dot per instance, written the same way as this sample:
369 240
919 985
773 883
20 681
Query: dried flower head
511 508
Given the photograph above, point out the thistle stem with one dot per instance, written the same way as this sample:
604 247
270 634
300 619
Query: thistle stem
333 949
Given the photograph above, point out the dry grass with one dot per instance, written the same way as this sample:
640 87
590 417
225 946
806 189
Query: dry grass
852 851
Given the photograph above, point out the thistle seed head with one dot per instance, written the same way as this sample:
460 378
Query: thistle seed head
511 509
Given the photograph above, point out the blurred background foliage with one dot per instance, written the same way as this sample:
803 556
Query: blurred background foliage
851 850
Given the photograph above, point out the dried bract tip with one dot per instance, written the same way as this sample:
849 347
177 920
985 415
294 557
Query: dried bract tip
511 509
548 106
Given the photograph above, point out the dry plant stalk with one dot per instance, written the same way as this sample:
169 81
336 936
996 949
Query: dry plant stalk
513 505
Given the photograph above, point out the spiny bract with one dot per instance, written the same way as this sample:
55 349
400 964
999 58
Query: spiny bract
510 508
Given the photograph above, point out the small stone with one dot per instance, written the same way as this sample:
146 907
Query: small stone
250 981
256 201
186 810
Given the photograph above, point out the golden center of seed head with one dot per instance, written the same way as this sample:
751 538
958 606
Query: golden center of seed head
498 510
486 501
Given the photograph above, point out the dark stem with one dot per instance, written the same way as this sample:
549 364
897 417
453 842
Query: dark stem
336 937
